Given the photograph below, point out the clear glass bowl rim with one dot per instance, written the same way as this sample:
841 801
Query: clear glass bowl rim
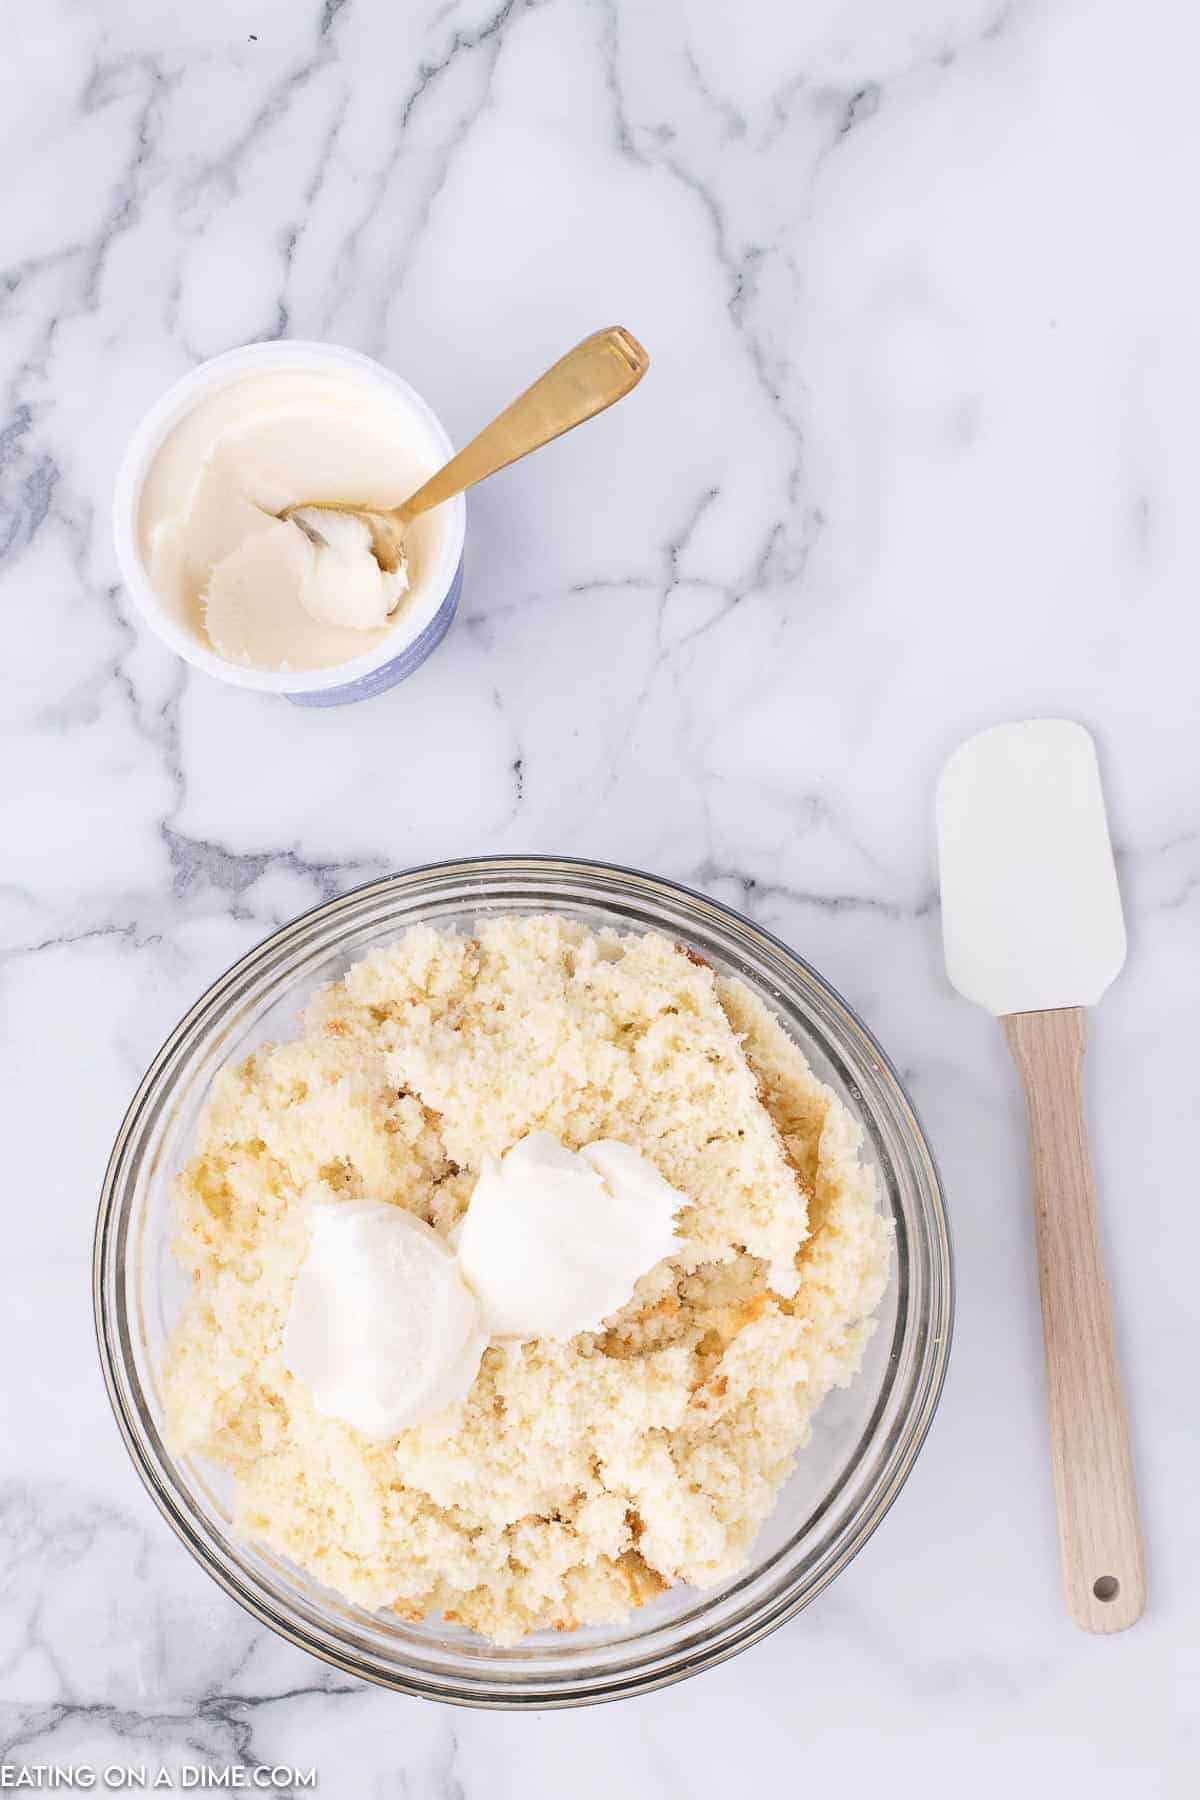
555 879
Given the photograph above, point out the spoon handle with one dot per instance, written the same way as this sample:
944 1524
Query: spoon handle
593 375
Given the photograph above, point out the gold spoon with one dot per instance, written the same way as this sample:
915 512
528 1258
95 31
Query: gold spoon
597 372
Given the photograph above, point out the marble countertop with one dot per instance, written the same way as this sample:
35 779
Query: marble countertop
916 454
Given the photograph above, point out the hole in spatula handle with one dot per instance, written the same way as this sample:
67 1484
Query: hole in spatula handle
1106 1587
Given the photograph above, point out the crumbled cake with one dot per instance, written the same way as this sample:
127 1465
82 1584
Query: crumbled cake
577 1480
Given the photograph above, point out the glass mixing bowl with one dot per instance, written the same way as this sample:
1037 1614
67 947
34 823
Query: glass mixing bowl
865 1437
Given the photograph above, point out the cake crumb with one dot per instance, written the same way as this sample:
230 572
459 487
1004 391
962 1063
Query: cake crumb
577 1480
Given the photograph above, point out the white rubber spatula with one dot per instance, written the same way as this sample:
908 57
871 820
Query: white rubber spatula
1033 932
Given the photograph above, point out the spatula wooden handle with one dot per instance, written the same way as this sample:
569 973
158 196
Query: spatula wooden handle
1099 1534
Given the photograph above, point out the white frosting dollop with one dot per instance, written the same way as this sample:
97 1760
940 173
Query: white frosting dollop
554 1240
383 1330
344 585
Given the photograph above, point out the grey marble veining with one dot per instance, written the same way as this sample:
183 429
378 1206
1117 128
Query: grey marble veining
916 454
